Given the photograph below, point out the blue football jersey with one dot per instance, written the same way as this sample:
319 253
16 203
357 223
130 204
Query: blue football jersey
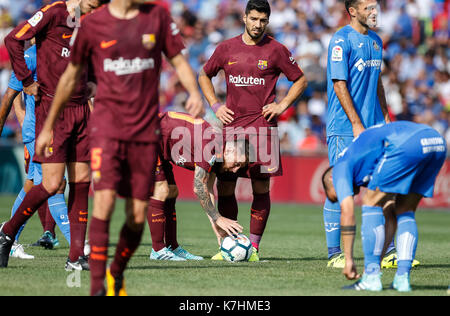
357 59
28 128
393 152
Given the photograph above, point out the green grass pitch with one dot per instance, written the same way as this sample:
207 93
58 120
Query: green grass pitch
293 254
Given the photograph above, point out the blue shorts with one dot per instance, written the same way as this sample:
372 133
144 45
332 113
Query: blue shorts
34 169
411 167
336 145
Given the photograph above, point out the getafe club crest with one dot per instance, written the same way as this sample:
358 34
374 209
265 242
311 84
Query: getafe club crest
149 41
262 64
376 46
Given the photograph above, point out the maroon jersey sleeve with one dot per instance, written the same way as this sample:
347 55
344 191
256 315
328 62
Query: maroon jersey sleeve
15 41
215 63
173 43
287 65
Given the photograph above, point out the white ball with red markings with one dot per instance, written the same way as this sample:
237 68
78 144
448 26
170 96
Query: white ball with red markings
237 248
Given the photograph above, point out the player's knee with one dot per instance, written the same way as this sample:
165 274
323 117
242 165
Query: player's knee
52 185
173 192
62 187
161 191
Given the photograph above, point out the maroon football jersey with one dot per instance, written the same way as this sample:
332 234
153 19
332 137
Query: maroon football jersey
188 142
126 57
51 26
251 72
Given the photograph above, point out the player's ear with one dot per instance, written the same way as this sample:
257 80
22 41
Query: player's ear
352 12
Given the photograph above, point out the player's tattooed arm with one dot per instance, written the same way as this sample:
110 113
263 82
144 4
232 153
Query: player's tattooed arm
226 226
6 105
202 192
383 102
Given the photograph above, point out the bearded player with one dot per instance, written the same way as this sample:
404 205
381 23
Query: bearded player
124 42
252 63
191 144
52 27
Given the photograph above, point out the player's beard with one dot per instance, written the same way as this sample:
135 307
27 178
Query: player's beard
255 37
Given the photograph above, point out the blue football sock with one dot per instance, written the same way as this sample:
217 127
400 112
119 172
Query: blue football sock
16 205
407 236
372 232
58 209
332 222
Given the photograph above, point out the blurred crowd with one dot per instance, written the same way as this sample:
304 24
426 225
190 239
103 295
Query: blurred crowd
416 67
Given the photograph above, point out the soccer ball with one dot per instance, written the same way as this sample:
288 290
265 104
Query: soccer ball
237 248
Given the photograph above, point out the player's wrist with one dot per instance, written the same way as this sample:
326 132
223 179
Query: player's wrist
216 106
28 81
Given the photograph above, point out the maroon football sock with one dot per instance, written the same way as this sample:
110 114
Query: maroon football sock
42 212
171 223
228 207
78 218
128 243
32 201
50 223
156 221
98 240
259 215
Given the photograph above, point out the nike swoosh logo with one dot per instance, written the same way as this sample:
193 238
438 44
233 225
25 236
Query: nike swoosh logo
338 41
272 169
66 36
331 230
232 63
106 45
156 215
83 213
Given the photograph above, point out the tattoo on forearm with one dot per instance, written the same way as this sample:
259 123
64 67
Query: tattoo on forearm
201 190
348 230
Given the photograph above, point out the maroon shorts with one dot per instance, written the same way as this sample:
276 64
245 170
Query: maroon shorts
264 157
70 134
125 167
164 172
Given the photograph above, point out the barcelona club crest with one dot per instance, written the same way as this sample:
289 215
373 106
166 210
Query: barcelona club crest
149 41
262 64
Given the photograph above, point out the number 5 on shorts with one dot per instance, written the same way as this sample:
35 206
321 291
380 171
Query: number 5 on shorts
96 158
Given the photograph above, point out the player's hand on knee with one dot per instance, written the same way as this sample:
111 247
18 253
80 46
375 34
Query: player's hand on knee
225 115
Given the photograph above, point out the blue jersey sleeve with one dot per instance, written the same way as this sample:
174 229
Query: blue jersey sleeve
343 180
30 59
338 58
14 83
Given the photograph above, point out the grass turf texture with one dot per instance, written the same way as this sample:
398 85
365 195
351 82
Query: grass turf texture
293 254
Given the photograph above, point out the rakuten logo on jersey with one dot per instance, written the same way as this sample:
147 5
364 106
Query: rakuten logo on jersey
240 81
123 66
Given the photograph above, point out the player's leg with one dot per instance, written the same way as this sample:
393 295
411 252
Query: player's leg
156 219
58 210
79 184
171 226
260 211
407 238
332 211
129 240
389 253
226 201
104 203
52 175
373 236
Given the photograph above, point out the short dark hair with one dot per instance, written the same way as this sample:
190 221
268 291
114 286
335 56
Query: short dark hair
350 3
262 6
